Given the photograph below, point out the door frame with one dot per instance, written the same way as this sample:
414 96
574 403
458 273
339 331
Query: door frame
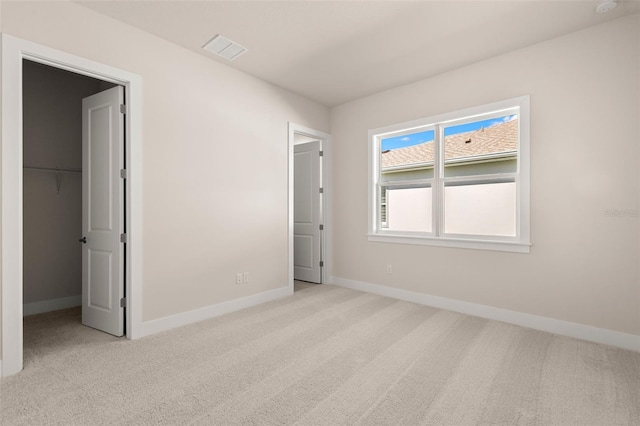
325 183
14 50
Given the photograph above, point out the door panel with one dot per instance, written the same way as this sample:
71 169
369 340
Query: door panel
102 211
99 266
307 204
99 152
303 253
303 185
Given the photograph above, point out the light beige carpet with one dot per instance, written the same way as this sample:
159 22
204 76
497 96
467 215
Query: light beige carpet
302 285
325 356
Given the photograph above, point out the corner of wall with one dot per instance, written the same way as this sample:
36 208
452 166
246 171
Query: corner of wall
1 34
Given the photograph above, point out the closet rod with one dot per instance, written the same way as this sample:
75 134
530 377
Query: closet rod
49 169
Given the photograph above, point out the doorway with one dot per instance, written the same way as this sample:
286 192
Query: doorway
309 198
52 185
14 51
73 141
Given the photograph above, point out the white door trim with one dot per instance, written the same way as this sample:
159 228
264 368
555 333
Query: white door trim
325 183
14 50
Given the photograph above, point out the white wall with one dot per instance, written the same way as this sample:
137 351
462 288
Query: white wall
214 158
1 7
583 266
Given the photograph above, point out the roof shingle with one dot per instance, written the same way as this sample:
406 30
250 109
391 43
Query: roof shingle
496 139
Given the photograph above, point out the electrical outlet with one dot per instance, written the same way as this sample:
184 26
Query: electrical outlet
389 269
245 277
239 278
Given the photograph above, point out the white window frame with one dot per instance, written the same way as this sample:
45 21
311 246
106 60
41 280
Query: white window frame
520 243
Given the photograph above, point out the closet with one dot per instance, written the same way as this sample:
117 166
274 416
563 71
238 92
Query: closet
52 179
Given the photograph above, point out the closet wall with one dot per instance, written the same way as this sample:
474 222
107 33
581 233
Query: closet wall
52 124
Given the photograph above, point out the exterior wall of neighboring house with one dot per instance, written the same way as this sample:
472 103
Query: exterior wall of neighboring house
477 209
0 188
463 170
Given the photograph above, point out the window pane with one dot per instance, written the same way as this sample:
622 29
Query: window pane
408 209
480 209
482 147
407 157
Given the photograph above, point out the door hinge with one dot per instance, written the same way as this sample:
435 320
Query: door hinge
123 109
124 238
321 263
322 227
321 153
123 302
123 173
322 190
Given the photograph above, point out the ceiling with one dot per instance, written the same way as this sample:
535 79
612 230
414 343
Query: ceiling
336 51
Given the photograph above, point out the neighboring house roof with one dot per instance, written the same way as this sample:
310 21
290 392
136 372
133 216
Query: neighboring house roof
494 140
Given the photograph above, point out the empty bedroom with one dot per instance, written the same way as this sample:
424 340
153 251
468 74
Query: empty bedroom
320 212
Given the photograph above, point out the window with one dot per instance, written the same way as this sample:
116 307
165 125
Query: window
457 180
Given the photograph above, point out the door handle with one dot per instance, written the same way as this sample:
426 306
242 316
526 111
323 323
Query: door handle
83 240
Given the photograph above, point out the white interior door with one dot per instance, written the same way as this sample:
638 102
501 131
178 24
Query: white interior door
102 211
307 205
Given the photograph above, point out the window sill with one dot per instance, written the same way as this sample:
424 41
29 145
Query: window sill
508 246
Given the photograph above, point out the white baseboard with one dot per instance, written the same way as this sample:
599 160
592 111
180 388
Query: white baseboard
51 305
564 328
197 315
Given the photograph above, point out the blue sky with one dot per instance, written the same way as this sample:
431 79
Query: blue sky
420 137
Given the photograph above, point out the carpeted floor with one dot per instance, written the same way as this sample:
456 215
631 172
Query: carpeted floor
302 285
325 356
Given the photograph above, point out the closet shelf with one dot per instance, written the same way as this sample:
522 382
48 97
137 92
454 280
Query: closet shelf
57 171
49 169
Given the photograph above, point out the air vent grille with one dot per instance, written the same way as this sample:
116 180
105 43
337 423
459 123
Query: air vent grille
224 47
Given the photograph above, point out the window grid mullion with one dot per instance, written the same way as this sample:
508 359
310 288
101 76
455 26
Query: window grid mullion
438 190
377 221
480 177
416 183
379 206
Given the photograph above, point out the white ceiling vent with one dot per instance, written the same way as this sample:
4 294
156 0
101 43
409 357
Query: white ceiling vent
224 47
